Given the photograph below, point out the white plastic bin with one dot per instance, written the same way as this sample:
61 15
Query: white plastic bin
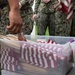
73 48
12 60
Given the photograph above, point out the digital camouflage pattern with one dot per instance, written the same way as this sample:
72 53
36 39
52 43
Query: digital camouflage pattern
4 20
26 13
74 3
73 22
62 28
2 4
48 16
45 16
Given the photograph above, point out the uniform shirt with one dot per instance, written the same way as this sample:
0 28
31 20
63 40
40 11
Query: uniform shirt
3 3
40 6
26 3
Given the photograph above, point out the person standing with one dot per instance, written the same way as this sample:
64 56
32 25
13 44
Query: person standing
47 14
44 16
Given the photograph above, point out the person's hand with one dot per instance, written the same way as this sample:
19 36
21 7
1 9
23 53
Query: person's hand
20 5
21 37
34 16
46 1
15 22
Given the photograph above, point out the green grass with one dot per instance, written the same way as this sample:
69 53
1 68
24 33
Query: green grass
47 32
36 30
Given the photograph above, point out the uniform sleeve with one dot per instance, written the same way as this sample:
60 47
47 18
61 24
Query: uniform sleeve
37 3
23 2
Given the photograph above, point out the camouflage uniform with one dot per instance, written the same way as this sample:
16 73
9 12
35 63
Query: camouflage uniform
73 22
48 16
44 14
26 13
3 3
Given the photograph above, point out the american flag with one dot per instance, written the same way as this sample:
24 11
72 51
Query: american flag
8 61
67 7
41 54
47 42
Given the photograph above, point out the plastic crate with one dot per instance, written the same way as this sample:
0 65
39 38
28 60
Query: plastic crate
11 48
73 48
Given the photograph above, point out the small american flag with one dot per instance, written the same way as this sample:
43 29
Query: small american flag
8 61
67 7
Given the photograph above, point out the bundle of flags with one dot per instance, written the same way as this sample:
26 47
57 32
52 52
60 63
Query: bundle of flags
8 60
67 7
33 55
41 55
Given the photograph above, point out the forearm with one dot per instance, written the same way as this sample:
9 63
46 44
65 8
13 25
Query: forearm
14 5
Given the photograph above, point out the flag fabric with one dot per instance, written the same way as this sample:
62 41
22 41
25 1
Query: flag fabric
45 41
67 7
51 41
41 54
8 61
